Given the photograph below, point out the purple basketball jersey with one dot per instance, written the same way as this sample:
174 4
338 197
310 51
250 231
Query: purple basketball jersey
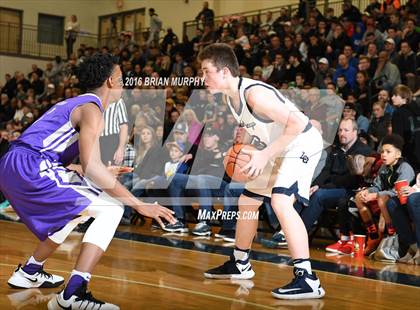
33 174
53 134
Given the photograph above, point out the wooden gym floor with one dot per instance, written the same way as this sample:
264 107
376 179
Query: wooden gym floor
145 269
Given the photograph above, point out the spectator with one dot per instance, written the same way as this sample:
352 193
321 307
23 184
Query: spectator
339 40
387 74
378 127
334 182
193 125
350 12
168 40
390 49
350 112
366 168
407 64
155 28
348 52
343 88
36 84
206 15
383 96
36 70
345 70
72 31
394 169
6 110
322 72
405 123
374 7
403 220
410 34
361 93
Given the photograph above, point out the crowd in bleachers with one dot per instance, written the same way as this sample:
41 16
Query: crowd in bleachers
370 59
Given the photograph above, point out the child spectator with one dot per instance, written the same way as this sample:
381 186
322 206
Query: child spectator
394 169
176 151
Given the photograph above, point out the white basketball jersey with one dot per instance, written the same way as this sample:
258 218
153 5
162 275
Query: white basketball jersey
262 131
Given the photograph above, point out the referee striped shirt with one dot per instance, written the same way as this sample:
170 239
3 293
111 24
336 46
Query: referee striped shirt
114 116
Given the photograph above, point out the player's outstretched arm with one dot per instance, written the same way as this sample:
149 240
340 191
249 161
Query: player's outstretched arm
90 122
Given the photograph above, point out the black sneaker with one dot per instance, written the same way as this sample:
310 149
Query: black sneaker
155 225
178 227
277 241
81 299
202 229
232 270
303 286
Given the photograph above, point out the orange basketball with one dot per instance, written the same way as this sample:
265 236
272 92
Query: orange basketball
234 161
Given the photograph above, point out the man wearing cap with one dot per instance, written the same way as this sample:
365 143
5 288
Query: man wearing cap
390 48
322 72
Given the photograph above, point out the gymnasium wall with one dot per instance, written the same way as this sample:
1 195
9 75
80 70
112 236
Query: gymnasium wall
172 12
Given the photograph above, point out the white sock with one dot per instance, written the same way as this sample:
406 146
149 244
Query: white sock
239 254
32 260
344 238
84 275
303 264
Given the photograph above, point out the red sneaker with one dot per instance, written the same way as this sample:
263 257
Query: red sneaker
333 248
347 248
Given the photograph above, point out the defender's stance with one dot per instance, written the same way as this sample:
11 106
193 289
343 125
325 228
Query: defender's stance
51 197
278 129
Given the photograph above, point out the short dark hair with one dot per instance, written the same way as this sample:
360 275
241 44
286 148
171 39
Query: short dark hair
95 70
395 140
221 55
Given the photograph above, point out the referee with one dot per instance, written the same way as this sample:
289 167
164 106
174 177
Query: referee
115 134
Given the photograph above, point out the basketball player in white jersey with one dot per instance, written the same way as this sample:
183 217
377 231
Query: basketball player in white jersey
281 133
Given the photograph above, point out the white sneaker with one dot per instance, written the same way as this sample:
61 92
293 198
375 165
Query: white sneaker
81 299
41 279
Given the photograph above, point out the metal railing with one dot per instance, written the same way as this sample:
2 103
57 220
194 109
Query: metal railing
25 41
189 27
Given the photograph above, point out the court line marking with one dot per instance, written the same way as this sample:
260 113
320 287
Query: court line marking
257 261
270 263
178 289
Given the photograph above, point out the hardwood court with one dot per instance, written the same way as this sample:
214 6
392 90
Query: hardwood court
165 272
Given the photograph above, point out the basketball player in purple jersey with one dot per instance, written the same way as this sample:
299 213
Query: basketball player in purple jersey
51 196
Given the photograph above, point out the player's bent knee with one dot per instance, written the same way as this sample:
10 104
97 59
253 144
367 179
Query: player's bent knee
60 236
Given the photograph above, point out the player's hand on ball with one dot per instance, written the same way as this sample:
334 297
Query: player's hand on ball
256 165
156 212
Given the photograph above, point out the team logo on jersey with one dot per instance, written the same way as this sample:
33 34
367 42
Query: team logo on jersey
256 141
249 125
304 158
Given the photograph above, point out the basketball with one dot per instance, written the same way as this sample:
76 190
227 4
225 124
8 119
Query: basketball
235 160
